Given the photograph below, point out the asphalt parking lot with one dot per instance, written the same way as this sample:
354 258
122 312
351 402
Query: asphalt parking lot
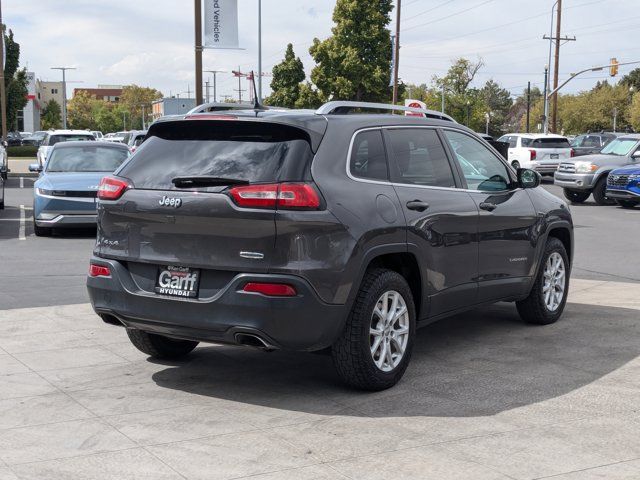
485 397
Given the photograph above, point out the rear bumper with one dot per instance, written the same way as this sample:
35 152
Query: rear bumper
68 220
302 322
574 181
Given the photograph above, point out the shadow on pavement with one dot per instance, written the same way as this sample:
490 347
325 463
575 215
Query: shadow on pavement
479 363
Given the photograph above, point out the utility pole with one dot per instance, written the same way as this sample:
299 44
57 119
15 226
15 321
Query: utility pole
3 93
198 39
528 103
615 119
396 53
206 91
442 94
238 73
64 93
259 51
558 38
556 64
546 102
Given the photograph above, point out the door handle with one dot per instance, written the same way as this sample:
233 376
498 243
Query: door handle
417 205
489 207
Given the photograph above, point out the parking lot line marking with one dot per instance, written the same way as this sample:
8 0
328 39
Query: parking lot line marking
22 224
21 182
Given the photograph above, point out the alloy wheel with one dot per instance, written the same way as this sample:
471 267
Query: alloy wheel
389 331
555 281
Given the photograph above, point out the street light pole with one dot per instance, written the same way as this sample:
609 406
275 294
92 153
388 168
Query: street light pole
3 93
396 53
64 93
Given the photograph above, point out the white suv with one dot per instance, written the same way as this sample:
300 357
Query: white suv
542 153
54 136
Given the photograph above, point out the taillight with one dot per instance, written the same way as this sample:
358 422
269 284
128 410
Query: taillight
271 289
255 196
99 270
534 154
285 196
112 188
572 153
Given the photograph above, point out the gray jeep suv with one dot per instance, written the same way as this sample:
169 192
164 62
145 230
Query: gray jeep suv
307 230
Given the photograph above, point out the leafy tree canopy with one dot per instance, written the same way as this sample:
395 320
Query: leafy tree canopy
355 62
286 82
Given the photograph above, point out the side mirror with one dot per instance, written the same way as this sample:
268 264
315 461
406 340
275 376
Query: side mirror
5 144
528 178
35 167
636 155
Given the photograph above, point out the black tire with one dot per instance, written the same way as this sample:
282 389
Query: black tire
159 346
42 231
576 196
600 192
351 353
515 164
533 308
627 203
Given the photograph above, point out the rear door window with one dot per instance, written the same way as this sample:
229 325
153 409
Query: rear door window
253 151
420 158
368 157
53 139
550 143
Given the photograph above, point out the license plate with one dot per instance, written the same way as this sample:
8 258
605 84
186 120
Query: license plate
555 156
178 281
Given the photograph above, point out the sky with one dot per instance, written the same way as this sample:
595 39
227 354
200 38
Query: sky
150 42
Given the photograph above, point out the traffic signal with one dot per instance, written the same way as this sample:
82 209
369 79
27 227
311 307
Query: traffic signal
613 67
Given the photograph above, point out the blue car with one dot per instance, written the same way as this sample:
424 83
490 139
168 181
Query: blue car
623 185
65 193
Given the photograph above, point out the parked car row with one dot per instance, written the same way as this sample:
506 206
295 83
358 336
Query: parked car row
599 174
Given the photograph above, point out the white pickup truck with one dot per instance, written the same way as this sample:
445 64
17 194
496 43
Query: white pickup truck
542 153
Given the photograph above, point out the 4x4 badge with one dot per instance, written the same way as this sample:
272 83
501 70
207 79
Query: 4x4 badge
170 201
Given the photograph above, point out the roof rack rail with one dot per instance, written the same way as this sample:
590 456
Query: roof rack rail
224 106
342 107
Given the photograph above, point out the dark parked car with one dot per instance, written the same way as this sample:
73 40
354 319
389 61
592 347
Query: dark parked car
35 139
302 231
14 139
591 143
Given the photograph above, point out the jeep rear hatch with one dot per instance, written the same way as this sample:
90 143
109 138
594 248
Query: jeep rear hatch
204 193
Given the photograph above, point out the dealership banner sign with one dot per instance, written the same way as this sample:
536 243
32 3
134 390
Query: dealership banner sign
221 23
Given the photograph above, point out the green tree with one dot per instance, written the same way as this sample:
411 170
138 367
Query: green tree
459 76
51 115
82 110
498 102
355 62
517 117
309 97
15 80
286 82
632 79
133 98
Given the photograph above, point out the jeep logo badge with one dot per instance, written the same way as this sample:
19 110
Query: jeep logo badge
170 202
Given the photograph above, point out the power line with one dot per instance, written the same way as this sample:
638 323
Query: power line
447 2
448 16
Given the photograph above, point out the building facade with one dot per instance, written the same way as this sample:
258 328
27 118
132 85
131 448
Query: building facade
172 106
29 117
47 91
108 93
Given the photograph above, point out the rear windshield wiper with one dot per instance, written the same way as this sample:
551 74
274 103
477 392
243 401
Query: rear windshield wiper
206 181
